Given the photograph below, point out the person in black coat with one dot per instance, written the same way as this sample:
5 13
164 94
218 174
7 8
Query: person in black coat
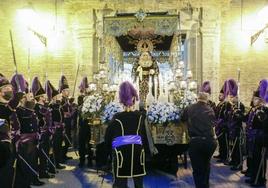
29 136
220 128
125 137
84 134
257 136
8 104
68 119
57 124
44 121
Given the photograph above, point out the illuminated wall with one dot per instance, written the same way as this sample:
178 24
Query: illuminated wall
72 38
34 58
238 24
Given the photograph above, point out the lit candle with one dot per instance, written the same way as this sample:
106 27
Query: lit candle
155 88
172 85
138 85
179 73
183 84
189 74
181 65
193 85
105 87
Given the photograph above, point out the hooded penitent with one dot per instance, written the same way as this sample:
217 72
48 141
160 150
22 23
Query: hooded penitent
50 90
37 88
19 84
127 94
63 84
206 87
262 90
83 85
230 87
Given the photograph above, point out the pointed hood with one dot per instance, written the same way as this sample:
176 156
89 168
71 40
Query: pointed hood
19 83
231 87
206 87
37 88
83 85
50 90
262 91
63 84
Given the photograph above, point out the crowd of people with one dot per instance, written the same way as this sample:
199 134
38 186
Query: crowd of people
37 127
237 142
39 124
207 123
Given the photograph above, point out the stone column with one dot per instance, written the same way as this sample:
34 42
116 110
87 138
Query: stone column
211 49
84 33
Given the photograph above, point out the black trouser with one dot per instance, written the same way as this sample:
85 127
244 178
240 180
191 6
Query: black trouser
258 170
84 146
249 165
43 148
57 145
75 131
122 182
28 152
223 144
249 151
101 154
236 155
200 152
67 136
6 164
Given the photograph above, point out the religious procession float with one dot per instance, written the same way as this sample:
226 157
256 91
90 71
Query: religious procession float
164 99
150 53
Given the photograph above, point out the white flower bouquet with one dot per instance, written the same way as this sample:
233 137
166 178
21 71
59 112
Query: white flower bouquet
160 113
185 100
93 106
110 110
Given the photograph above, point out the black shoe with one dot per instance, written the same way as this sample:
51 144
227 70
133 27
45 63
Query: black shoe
220 161
46 175
89 164
248 174
60 167
260 184
67 158
37 182
231 163
53 171
81 165
235 168
249 181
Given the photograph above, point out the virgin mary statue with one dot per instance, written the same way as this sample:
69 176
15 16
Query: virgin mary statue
146 69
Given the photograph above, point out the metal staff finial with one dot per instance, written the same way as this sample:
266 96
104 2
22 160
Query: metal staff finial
75 81
238 84
14 61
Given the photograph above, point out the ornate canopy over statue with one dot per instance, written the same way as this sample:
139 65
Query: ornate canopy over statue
164 25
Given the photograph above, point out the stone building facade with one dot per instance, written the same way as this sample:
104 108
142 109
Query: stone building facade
218 34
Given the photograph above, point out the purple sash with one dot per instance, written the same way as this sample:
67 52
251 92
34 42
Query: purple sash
126 140
26 137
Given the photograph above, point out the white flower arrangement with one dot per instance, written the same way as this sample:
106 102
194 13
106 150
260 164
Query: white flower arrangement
188 99
92 106
110 110
159 113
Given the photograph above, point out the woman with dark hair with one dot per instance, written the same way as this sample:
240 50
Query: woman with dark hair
126 137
